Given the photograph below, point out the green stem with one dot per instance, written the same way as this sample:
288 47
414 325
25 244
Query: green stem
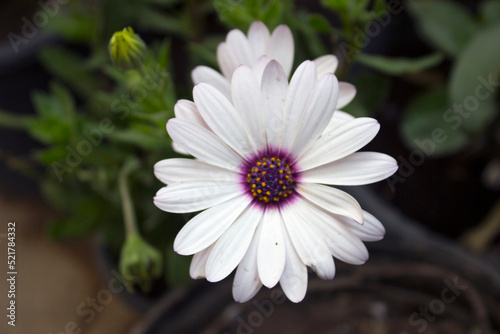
127 204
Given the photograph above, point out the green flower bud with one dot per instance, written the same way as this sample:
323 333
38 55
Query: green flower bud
126 49
140 262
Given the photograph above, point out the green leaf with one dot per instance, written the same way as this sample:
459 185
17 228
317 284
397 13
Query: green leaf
490 11
474 78
429 126
357 8
53 154
135 137
155 20
446 25
336 5
233 13
12 121
319 23
74 27
55 123
398 66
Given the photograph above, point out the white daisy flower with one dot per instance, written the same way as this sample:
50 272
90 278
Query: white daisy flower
261 174
256 49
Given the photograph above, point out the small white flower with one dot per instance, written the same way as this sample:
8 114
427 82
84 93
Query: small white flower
256 50
263 163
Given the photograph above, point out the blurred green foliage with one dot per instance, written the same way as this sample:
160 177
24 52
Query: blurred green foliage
467 105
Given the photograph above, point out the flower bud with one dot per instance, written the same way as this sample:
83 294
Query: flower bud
140 262
126 49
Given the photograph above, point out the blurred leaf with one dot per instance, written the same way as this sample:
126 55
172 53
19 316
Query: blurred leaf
138 138
53 154
65 101
357 8
379 7
336 5
155 20
428 126
319 23
241 13
490 11
70 68
55 123
307 37
164 2
74 26
10 120
272 15
474 78
447 25
398 66
233 13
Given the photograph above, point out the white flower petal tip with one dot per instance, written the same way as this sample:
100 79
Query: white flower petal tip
271 249
326 64
347 92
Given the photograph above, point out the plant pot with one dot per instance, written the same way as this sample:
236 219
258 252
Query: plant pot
415 280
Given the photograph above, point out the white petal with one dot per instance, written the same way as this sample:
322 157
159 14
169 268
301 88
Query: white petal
185 109
326 64
340 240
206 227
310 246
178 170
332 200
222 118
294 278
259 67
203 144
258 36
371 230
241 48
246 282
199 262
301 86
281 47
233 244
274 88
227 60
355 169
338 119
196 195
179 149
318 112
249 102
271 251
347 92
335 145
213 78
